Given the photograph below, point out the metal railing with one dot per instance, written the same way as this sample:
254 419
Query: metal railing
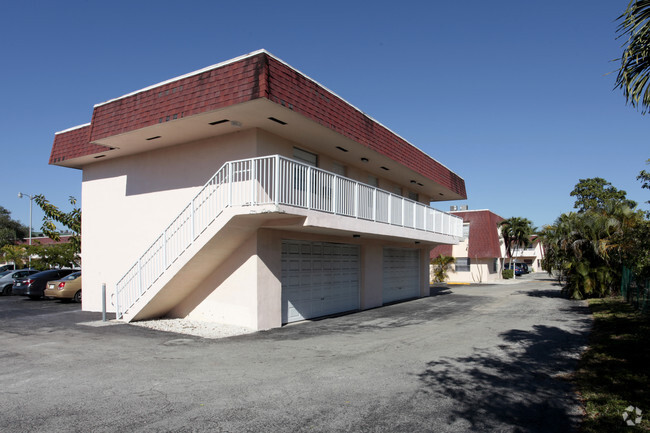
281 181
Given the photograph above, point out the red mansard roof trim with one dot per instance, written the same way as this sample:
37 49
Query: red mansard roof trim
72 143
484 239
256 75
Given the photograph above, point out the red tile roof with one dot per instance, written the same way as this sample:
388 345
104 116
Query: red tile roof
259 75
483 235
44 241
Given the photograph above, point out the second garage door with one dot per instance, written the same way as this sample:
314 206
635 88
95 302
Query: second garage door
401 274
318 278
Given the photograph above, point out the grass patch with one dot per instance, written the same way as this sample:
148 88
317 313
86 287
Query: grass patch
614 372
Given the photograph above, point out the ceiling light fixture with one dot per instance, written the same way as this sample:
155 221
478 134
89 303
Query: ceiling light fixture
364 159
153 138
385 168
342 149
218 122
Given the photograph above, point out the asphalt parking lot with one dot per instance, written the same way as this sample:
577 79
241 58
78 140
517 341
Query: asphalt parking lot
469 358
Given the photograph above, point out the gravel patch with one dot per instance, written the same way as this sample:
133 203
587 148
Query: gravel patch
194 327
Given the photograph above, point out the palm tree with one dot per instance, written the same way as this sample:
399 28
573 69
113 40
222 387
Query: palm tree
516 232
440 266
634 73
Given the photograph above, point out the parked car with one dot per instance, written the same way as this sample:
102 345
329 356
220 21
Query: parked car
517 267
68 287
34 285
10 267
7 280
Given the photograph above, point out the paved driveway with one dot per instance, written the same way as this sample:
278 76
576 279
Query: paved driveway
489 358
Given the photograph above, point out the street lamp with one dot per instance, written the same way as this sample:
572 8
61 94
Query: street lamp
21 195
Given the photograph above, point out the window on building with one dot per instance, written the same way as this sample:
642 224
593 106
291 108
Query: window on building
465 231
414 196
306 157
495 267
462 264
338 169
373 181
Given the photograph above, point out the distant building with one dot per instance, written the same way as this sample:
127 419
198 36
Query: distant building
481 251
44 240
532 255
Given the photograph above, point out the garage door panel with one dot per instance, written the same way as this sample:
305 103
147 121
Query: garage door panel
401 274
325 281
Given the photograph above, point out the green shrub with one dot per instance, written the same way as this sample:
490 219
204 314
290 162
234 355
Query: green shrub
507 274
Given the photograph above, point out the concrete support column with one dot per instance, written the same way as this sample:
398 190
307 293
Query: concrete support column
269 279
372 257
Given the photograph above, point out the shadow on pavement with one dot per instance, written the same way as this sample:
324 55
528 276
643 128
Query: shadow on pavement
439 290
518 386
545 293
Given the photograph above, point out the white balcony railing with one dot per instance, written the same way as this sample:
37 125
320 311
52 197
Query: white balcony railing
281 181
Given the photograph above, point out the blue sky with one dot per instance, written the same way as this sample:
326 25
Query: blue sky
513 96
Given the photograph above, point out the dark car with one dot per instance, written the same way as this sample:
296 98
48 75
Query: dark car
517 266
8 280
34 285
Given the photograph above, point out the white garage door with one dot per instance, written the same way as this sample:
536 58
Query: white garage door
318 279
401 274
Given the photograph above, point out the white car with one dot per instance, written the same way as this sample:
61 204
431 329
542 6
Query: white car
7 281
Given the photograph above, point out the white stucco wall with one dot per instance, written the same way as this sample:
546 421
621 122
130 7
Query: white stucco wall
128 202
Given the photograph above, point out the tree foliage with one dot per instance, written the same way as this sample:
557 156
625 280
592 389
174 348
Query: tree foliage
10 229
16 254
634 73
594 193
589 248
70 220
516 233
440 267
42 256
644 178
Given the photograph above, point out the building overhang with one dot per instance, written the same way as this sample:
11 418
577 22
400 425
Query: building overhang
254 91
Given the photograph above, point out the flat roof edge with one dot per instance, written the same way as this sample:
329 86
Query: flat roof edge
189 74
72 129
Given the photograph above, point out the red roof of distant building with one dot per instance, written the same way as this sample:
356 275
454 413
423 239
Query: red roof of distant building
258 75
45 240
483 235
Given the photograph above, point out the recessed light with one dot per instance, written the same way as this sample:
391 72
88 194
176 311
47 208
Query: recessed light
413 181
356 236
153 138
99 156
385 168
342 149
364 159
440 193
277 121
420 184
218 122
